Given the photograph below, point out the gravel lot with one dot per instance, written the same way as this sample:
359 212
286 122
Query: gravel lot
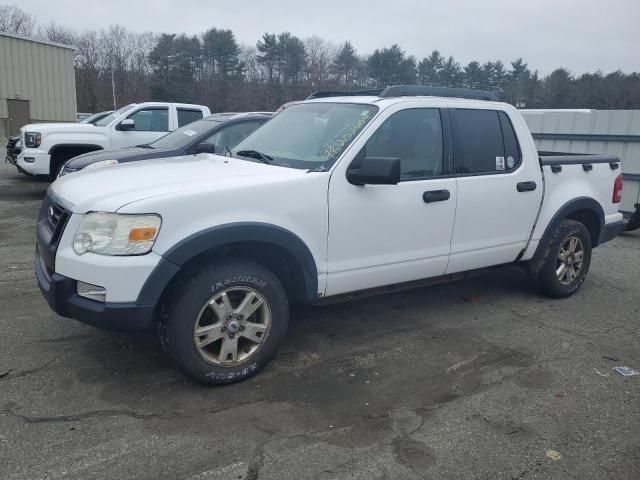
478 379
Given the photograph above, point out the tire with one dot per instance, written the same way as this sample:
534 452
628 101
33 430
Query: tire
210 299
547 275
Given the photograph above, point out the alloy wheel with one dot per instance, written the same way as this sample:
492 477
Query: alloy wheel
570 259
232 326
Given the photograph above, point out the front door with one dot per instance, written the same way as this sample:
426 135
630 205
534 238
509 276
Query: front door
385 234
18 115
150 124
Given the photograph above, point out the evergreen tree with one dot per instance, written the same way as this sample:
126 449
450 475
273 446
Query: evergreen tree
345 64
429 69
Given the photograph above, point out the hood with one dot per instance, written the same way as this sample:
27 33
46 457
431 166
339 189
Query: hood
122 155
45 128
110 188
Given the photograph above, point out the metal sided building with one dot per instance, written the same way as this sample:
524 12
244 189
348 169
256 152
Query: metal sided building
611 132
37 83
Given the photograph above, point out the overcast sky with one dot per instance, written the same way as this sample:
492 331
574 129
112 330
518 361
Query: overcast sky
582 35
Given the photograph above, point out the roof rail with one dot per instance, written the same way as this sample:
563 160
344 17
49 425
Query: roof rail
337 93
410 91
420 90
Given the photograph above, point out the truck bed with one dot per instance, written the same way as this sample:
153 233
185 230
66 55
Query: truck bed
564 158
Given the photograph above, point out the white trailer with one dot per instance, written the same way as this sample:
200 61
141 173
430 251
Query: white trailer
610 132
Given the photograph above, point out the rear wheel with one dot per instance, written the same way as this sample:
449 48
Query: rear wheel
565 262
225 321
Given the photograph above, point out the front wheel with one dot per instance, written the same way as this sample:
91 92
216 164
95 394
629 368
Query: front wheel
565 261
225 321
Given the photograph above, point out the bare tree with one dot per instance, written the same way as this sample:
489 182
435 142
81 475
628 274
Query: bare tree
15 20
56 33
320 55
252 70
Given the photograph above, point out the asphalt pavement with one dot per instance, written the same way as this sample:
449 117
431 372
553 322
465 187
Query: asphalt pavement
477 379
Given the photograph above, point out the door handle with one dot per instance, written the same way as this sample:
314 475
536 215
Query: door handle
526 186
436 196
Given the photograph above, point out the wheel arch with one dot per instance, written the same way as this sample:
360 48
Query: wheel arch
585 210
90 147
276 248
81 148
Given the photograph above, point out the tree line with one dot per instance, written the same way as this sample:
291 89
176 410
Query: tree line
116 66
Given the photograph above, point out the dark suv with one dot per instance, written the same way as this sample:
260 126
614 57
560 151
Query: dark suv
216 133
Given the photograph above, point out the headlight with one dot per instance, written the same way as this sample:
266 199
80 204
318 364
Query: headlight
115 234
66 171
100 164
32 139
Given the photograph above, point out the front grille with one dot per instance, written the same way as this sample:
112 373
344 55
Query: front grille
51 223
54 215
12 151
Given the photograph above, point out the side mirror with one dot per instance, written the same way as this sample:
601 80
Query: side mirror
205 147
127 124
374 171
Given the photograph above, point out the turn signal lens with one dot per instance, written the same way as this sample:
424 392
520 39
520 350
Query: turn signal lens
142 234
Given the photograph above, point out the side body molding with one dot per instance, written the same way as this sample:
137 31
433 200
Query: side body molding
219 236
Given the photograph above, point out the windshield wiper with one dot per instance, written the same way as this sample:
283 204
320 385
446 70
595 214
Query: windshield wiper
263 157
144 145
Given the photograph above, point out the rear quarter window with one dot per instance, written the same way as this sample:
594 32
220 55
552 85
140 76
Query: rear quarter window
186 116
512 152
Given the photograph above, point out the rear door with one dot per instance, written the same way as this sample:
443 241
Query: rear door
499 189
385 234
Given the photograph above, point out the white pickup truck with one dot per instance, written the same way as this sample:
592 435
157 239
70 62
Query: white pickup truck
46 146
334 195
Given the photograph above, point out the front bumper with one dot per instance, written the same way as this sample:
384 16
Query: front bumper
60 293
38 162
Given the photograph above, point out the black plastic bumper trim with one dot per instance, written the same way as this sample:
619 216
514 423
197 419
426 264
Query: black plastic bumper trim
611 231
60 293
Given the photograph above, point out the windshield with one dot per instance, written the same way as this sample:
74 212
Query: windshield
307 135
94 118
112 116
185 135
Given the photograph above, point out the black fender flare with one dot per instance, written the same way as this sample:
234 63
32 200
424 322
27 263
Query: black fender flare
580 203
219 236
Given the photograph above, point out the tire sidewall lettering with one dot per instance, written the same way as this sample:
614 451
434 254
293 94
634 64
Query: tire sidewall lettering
238 279
235 374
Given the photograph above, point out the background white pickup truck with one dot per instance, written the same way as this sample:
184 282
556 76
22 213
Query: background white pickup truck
46 146
333 195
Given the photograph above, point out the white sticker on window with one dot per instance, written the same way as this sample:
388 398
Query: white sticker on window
190 133
510 162
499 163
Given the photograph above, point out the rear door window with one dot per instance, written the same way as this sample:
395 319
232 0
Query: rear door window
186 116
478 144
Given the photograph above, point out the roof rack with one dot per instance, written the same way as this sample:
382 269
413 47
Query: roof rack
412 91
336 93
420 90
